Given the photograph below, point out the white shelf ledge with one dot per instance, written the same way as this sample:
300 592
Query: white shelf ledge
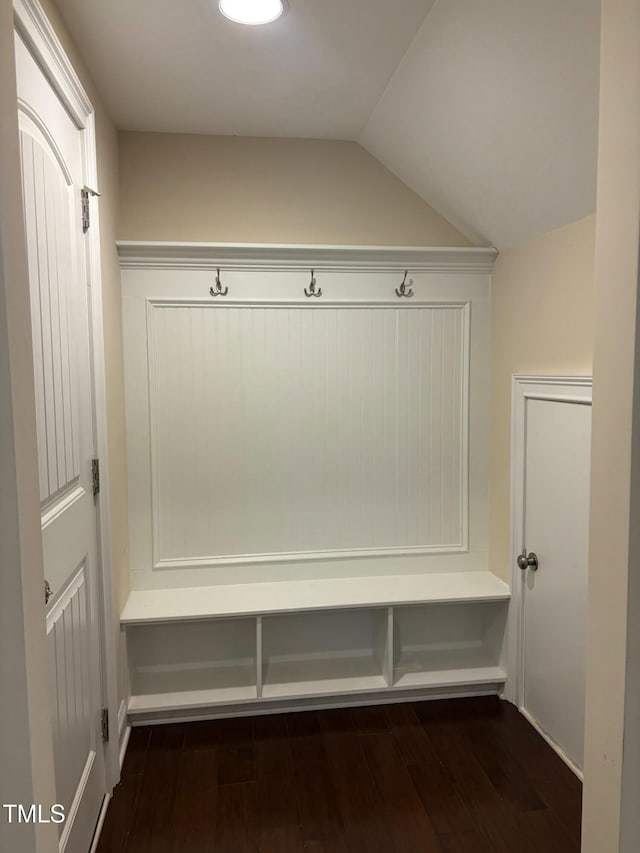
322 677
194 677
452 677
447 667
431 659
147 703
156 689
215 602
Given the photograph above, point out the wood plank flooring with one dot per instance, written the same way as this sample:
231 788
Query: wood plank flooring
454 776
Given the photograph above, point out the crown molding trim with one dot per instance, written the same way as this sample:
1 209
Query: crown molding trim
167 255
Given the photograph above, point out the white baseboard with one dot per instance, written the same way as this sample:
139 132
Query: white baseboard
554 746
100 824
318 703
124 731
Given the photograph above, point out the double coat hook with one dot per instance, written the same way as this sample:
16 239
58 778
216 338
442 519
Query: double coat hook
404 290
312 287
219 291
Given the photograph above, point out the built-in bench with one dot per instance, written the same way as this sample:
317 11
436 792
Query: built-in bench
217 650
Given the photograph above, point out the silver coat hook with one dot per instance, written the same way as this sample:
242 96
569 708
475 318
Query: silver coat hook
404 290
312 288
219 291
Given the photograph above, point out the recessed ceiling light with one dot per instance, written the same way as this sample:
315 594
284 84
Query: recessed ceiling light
252 12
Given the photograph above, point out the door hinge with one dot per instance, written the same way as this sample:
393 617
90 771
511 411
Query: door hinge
104 724
95 476
85 194
86 215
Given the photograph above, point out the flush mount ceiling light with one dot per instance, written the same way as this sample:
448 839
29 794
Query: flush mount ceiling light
252 12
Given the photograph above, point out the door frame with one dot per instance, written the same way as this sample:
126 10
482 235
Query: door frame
31 22
524 387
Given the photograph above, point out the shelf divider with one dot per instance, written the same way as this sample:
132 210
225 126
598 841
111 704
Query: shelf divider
259 661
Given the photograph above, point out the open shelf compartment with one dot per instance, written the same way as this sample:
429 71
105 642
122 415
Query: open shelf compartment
192 664
325 653
448 644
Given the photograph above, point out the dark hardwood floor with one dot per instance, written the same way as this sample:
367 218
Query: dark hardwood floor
454 776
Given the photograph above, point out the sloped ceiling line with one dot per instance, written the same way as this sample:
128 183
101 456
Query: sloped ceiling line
492 116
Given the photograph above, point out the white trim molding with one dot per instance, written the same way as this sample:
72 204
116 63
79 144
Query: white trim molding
575 390
100 825
34 27
165 255
554 746
260 708
124 732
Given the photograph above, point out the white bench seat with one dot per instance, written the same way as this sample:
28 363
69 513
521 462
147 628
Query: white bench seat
214 602
251 648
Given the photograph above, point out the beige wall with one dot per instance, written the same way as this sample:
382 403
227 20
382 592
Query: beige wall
108 184
611 816
249 190
542 313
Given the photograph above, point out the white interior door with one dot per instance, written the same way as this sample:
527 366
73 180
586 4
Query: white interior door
557 430
52 175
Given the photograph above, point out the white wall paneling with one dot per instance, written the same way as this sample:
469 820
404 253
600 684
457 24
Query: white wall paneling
287 432
268 431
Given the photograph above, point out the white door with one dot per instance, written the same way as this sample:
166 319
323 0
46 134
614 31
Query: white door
52 178
557 430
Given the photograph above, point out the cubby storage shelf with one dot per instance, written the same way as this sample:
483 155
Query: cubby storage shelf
191 699
205 650
462 677
330 677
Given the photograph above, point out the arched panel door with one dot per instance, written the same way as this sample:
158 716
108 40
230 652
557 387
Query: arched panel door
52 159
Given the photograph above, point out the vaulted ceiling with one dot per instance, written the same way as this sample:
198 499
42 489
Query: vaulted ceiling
179 65
492 115
488 109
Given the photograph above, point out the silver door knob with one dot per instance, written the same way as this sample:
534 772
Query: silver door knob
48 592
528 561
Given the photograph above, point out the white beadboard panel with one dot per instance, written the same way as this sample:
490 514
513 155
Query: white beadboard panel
50 223
69 642
285 431
245 350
